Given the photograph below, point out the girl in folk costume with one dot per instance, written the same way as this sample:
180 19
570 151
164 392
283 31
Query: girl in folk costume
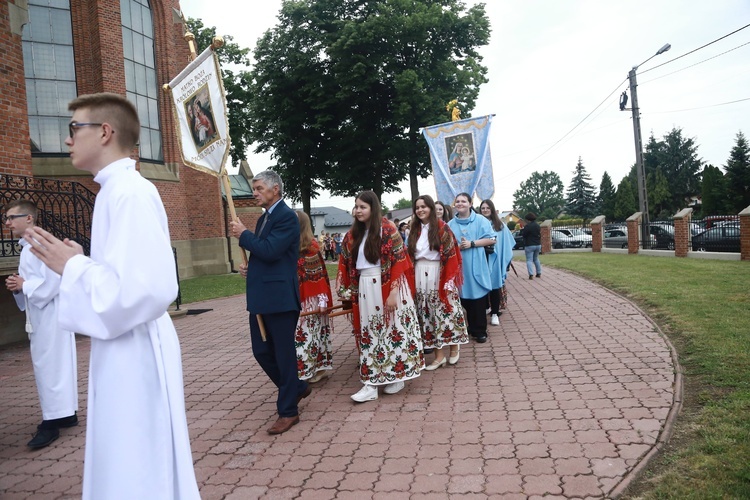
376 274
498 260
313 335
473 232
434 249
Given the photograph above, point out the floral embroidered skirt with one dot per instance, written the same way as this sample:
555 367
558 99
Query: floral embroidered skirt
313 341
440 326
390 344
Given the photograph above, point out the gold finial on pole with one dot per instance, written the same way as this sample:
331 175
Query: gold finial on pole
454 110
217 42
190 39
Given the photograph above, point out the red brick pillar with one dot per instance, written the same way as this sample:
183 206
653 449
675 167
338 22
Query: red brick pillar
745 234
634 230
597 234
546 228
682 240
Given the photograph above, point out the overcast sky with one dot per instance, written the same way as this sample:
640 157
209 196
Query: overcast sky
551 63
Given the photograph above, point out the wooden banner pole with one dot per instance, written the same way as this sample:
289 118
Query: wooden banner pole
233 214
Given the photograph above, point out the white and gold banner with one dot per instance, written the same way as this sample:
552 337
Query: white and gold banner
200 110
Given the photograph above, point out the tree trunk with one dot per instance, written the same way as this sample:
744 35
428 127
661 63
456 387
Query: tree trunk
413 181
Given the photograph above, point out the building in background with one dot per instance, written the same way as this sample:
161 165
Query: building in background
54 51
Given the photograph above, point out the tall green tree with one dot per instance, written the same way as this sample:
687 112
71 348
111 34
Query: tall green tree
738 175
677 158
714 192
541 194
236 85
402 203
607 195
581 194
291 113
396 63
626 199
659 195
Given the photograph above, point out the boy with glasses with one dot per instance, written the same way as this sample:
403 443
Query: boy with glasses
53 350
137 442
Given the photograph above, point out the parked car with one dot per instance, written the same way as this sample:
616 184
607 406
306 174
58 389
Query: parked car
664 233
561 239
520 245
576 235
618 238
724 238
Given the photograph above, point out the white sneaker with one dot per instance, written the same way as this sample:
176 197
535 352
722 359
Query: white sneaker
495 320
366 393
394 387
489 310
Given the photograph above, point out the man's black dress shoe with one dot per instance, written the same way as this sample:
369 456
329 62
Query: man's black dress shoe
66 422
481 340
44 436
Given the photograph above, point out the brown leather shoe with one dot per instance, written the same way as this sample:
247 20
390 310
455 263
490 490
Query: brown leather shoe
283 424
304 394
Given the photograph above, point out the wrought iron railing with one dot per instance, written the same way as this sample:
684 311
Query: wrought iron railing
65 209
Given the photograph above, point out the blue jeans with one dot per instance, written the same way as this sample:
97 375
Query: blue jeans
532 257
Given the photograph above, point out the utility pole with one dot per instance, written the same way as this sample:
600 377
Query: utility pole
639 169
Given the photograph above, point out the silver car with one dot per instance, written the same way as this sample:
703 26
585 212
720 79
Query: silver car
618 238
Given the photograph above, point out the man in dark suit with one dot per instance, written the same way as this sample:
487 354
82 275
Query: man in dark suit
273 294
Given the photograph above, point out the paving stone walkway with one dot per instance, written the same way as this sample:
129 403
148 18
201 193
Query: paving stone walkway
570 393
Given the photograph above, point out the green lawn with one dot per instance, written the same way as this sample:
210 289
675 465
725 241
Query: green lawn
703 306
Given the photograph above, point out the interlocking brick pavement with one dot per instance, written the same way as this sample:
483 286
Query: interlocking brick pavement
571 392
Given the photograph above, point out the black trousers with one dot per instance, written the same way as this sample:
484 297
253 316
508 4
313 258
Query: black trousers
494 301
476 316
278 357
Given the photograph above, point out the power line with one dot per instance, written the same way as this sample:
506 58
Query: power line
567 134
701 107
696 64
695 50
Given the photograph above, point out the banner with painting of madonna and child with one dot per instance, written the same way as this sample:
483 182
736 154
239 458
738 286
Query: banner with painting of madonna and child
461 161
200 110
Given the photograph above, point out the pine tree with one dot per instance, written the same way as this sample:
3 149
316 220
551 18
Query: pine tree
607 197
738 175
626 203
713 192
581 195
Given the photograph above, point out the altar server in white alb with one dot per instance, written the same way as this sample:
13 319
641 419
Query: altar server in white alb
53 350
137 443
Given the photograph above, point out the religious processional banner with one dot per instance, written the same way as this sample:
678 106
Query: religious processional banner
200 110
461 161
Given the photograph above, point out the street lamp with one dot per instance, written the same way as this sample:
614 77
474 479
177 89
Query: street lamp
641 174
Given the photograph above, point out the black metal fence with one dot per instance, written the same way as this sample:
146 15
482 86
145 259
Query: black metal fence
65 209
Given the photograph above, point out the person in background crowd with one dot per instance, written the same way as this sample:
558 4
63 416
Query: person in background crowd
444 212
403 230
376 274
434 250
498 260
473 233
337 238
532 239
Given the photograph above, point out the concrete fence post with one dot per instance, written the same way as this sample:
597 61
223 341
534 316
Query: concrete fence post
546 228
745 234
597 233
634 229
682 236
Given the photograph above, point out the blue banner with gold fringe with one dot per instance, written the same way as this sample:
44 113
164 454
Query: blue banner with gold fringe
461 160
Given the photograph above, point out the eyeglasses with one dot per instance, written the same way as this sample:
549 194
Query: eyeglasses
73 126
13 217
